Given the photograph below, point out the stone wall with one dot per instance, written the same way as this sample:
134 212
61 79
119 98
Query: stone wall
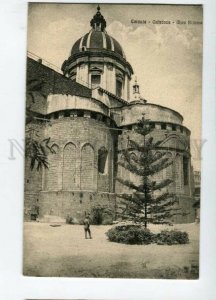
67 203
62 102
79 140
131 113
73 166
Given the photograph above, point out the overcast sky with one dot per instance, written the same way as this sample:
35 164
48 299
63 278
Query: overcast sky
166 58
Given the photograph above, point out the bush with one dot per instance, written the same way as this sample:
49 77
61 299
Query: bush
135 234
101 215
71 220
107 219
172 237
130 234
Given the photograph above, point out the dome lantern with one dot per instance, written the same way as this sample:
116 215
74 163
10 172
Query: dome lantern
98 22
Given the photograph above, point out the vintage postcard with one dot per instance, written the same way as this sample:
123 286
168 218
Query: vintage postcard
113 140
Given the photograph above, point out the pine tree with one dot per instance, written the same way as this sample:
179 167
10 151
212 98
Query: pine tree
143 205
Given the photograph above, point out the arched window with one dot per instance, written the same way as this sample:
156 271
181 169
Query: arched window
133 177
69 167
169 172
118 88
54 149
52 174
119 83
102 160
158 176
123 174
87 167
179 173
133 156
185 170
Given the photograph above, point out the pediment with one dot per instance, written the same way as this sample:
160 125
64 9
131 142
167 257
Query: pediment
95 69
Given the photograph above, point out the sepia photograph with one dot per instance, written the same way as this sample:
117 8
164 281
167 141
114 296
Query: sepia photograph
113 140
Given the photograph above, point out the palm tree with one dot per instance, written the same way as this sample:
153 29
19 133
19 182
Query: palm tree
35 148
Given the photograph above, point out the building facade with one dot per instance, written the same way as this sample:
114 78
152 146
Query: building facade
88 116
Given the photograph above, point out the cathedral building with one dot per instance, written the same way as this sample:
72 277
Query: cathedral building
88 116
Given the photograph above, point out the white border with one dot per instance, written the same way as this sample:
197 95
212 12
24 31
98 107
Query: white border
13 286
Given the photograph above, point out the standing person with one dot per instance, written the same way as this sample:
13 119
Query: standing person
87 227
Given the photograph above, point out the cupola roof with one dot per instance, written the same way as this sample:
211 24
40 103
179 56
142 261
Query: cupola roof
97 38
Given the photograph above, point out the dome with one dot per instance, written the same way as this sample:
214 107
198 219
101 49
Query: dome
97 59
97 38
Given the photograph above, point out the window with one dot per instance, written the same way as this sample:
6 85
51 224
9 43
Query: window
102 160
93 115
66 113
73 76
133 157
95 81
69 167
174 127
185 170
163 126
80 113
118 88
152 125
56 115
87 178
